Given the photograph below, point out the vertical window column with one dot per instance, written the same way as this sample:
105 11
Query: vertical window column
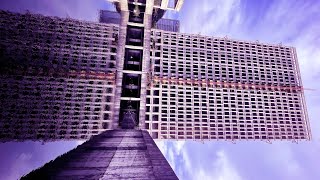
131 83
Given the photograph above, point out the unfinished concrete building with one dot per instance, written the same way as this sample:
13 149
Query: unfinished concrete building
217 88
56 77
70 79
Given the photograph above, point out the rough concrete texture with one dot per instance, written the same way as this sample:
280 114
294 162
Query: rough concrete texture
114 154
56 77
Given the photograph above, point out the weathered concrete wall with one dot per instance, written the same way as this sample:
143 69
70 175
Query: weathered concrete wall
56 77
114 154
206 87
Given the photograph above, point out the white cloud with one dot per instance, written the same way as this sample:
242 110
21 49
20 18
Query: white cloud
19 166
284 158
171 150
220 168
214 17
162 145
186 165
178 146
171 158
24 157
223 169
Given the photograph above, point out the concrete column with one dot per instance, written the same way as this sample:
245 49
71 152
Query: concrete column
113 154
145 69
119 67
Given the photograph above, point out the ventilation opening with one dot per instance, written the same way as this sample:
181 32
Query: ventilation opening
136 13
129 114
133 60
131 85
135 36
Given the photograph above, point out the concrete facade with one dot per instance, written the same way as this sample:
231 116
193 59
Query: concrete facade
114 154
218 88
57 77
63 79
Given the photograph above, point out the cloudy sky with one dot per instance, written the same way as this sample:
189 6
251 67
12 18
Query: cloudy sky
293 23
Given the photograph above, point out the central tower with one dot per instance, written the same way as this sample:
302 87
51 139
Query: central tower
133 58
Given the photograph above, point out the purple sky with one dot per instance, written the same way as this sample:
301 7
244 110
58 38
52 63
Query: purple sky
294 23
